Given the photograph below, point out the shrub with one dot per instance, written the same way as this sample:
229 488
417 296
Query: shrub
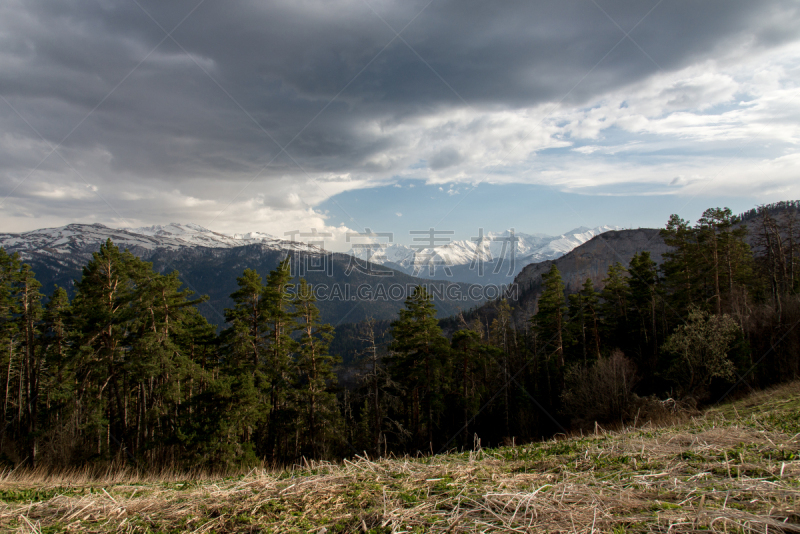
602 392
701 348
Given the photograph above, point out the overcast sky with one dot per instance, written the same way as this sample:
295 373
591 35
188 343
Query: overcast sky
342 115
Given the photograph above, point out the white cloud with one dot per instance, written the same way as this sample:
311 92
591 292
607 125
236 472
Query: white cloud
696 122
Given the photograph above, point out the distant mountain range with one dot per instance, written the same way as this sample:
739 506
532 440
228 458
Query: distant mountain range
75 238
589 260
209 264
494 258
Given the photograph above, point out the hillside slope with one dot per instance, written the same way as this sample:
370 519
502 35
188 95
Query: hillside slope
590 260
733 469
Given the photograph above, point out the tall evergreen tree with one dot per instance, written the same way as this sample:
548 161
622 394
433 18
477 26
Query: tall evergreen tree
503 337
724 255
59 387
315 365
469 360
30 313
550 314
645 309
614 309
248 374
377 382
133 374
248 322
160 371
9 331
281 347
419 351
680 265
584 322
102 308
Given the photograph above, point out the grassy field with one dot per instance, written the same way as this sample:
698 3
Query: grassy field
736 468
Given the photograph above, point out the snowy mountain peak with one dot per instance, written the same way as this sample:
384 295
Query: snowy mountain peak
522 248
195 235
169 229
257 236
74 238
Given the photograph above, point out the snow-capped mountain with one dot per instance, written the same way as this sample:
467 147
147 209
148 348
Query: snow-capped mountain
556 246
80 238
195 235
516 250
493 258
209 263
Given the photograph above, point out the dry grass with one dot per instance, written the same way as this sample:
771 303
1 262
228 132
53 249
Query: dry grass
735 469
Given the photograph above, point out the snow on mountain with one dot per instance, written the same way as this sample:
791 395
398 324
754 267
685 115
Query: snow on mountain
383 253
557 246
77 238
512 251
522 248
195 235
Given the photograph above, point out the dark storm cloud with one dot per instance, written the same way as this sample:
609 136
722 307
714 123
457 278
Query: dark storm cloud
444 158
280 64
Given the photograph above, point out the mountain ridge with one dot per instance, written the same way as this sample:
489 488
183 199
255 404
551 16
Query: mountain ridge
493 258
589 260
58 255
463 260
76 237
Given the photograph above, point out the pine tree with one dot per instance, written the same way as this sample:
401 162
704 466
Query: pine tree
614 309
591 301
247 376
373 379
469 359
133 372
57 380
281 347
549 318
30 313
315 372
680 264
160 370
583 325
419 351
245 337
502 336
645 301
102 307
723 252
9 332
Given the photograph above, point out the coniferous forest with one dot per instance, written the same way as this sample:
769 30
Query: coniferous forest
128 372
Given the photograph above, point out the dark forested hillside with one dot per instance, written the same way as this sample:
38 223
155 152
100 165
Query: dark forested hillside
592 259
213 272
210 273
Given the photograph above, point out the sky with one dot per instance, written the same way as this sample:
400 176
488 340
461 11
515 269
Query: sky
347 115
